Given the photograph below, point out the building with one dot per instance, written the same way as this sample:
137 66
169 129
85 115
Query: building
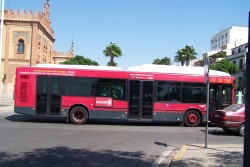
228 38
225 40
238 57
28 39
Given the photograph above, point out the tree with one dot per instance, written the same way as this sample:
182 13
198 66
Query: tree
112 51
80 60
189 53
179 57
163 61
225 66
185 55
221 54
214 57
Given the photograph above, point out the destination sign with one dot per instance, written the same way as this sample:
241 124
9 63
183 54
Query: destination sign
221 80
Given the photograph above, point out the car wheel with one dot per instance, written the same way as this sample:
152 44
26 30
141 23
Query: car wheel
192 118
241 130
79 115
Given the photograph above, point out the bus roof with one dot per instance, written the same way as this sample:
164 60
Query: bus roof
90 67
142 68
175 70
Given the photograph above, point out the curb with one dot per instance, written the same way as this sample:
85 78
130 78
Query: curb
178 157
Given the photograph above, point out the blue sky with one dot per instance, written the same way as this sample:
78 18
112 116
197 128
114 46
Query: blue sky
143 29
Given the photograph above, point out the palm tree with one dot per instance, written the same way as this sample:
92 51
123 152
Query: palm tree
189 53
180 57
163 61
112 51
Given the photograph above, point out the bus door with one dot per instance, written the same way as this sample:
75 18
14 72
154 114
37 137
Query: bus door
48 95
220 95
140 100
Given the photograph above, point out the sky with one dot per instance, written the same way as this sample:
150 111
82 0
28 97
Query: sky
144 29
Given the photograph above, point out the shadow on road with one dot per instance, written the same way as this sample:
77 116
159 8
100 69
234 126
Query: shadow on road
220 132
64 156
29 118
40 119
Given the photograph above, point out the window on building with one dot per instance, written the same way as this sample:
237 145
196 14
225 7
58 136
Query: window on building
240 81
241 64
20 46
239 50
232 52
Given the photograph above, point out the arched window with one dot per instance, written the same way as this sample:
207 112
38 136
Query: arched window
20 46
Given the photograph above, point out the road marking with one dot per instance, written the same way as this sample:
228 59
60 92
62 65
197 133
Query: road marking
161 158
181 153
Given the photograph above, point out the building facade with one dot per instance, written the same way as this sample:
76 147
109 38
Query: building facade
28 39
227 39
238 57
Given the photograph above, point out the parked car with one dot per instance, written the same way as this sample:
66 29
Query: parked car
231 118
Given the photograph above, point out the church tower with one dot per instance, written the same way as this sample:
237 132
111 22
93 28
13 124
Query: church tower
28 39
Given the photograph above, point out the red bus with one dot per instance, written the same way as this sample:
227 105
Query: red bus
147 92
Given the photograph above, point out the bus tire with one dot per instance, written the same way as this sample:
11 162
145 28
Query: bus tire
192 118
79 115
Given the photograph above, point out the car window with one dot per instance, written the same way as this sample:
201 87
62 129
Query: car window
234 107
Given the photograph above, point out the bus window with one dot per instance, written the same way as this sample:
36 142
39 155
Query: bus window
221 95
193 95
74 86
169 91
193 92
174 94
226 95
118 92
103 90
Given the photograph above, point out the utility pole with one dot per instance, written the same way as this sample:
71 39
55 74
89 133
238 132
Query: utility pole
246 159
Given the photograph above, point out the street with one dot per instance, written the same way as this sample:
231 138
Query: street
32 141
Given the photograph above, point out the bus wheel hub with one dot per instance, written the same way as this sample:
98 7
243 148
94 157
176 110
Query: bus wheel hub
78 115
192 118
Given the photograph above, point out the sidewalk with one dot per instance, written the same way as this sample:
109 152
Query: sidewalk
6 106
215 155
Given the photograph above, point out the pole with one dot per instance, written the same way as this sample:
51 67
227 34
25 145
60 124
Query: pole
246 159
207 117
206 81
1 38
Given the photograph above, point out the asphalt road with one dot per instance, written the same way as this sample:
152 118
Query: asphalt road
31 141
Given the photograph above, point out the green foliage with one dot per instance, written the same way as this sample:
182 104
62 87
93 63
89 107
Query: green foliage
109 64
225 66
185 55
112 51
179 57
163 61
80 60
221 54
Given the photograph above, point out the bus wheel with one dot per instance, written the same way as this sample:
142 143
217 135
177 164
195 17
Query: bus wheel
192 118
79 115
